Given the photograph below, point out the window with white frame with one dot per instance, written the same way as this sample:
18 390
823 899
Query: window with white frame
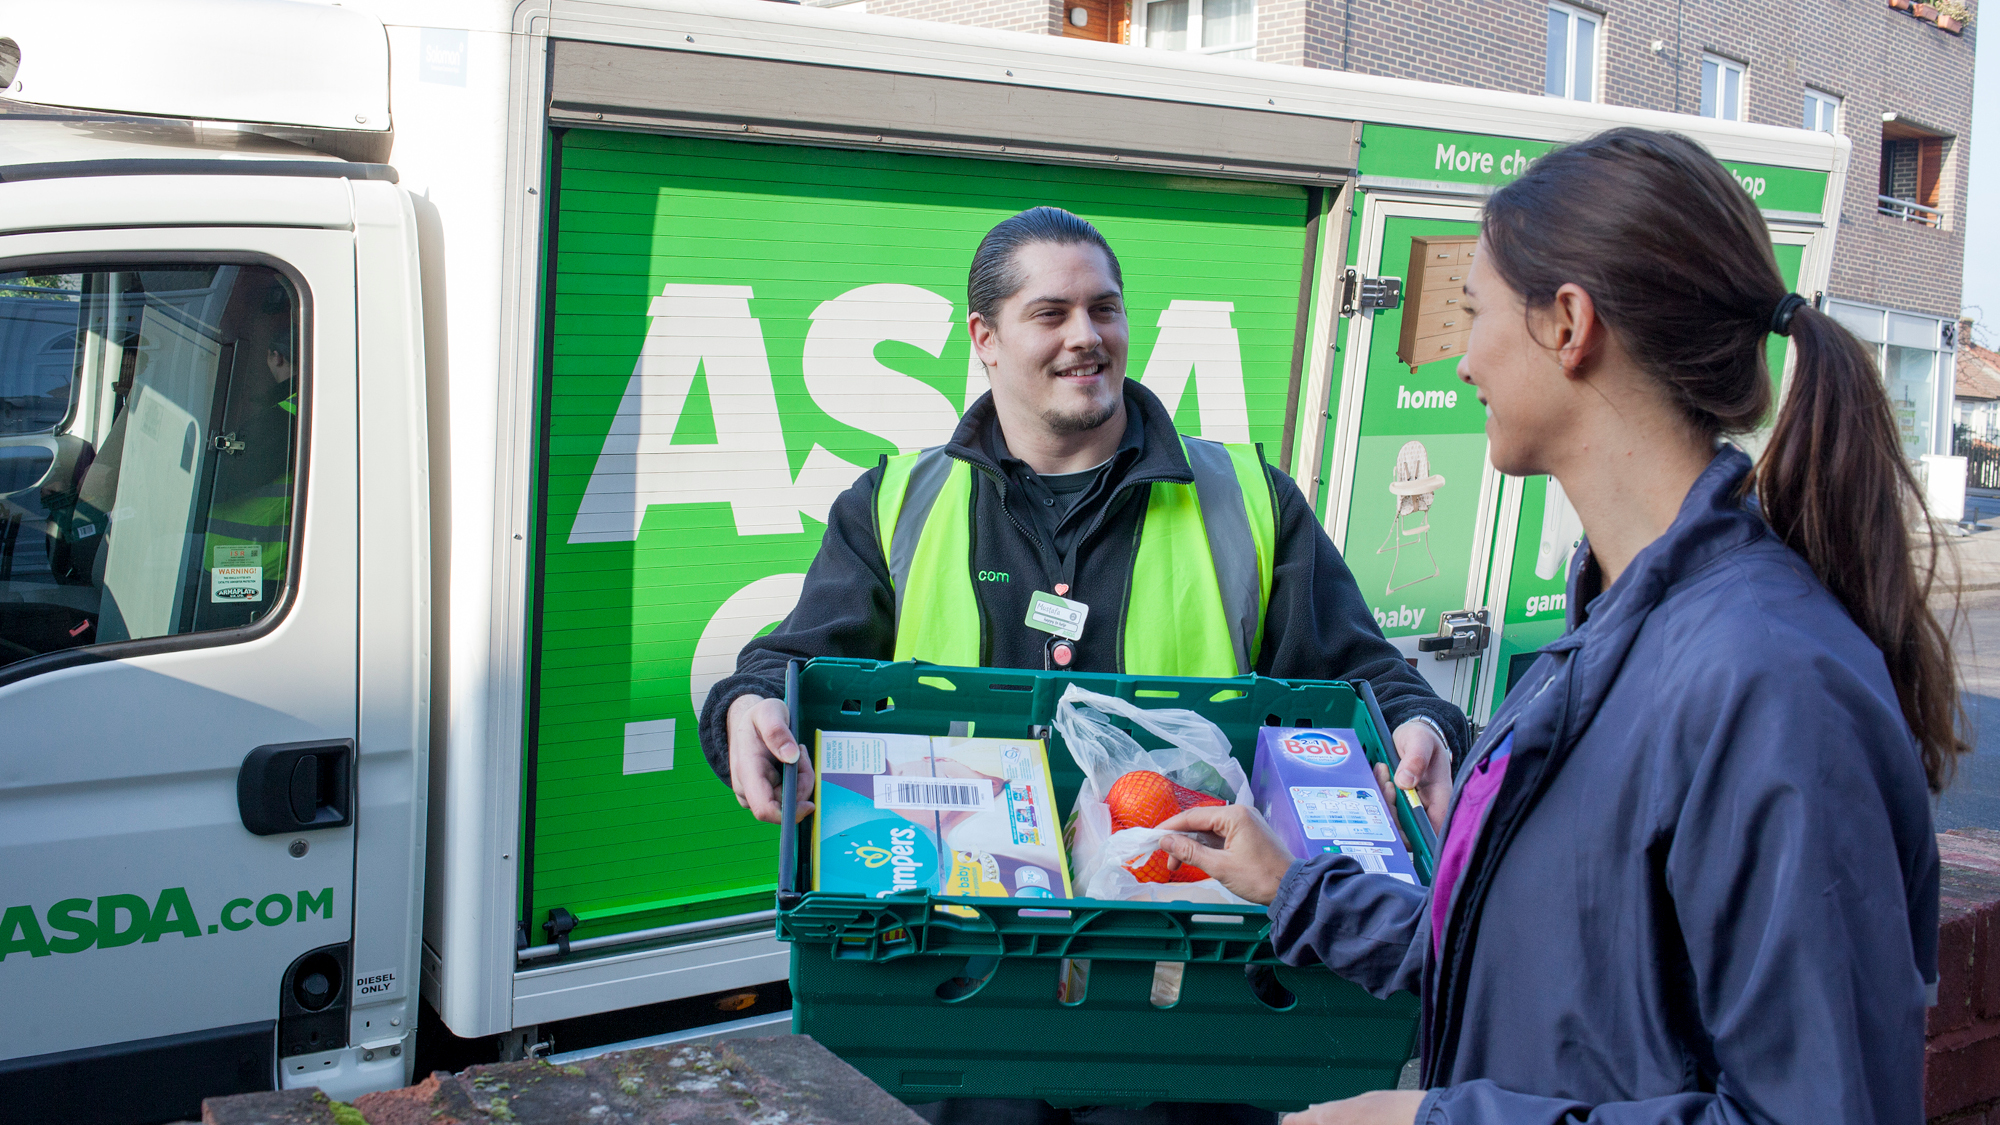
1208 27
1916 365
1573 48
1721 88
1821 111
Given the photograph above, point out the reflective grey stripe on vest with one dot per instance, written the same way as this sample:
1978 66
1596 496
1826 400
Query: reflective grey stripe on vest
1230 542
927 479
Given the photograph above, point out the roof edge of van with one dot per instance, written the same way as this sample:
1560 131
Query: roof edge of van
140 166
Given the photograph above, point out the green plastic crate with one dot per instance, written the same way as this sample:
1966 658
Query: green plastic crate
931 1005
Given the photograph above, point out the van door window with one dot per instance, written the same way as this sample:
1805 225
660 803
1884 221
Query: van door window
149 422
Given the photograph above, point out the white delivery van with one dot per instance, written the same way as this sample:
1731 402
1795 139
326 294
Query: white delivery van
409 407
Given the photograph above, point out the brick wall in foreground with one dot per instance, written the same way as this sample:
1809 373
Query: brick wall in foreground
1962 1057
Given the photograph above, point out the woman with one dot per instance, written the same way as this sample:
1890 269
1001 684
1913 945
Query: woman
1689 871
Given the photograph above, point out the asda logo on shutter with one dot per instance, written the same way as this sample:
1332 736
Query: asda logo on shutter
108 921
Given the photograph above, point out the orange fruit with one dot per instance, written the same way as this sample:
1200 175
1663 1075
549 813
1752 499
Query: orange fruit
1144 799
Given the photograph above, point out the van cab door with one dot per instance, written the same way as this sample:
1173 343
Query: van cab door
178 647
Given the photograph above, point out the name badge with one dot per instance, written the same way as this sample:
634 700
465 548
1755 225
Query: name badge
1052 614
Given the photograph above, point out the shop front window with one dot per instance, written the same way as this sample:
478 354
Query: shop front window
1909 350
1911 377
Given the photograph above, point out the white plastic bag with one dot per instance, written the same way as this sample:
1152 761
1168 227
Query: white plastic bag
1197 757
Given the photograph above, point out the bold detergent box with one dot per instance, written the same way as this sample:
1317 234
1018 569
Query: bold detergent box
1318 791
955 816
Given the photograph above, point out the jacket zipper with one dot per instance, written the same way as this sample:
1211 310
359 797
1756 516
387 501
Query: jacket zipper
1066 568
1000 482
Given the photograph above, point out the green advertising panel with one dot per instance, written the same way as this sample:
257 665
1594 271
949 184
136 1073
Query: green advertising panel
1537 584
738 331
1419 458
1475 158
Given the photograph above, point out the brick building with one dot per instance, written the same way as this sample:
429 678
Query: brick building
1897 85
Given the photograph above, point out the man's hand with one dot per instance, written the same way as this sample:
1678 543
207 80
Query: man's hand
760 741
1377 1107
1425 767
1251 861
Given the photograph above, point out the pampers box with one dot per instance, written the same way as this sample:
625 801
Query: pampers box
954 816
1318 792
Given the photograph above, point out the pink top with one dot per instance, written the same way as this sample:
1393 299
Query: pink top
1466 821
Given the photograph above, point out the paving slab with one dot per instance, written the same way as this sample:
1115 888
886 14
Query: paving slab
779 1080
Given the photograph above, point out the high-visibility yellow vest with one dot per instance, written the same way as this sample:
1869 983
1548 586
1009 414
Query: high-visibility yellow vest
264 518
1202 569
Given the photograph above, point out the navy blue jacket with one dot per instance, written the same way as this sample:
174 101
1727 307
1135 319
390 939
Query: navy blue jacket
1707 889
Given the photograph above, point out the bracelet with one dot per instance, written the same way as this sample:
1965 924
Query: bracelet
1435 729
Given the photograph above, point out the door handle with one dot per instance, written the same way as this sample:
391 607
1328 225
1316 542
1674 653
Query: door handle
297 787
1460 634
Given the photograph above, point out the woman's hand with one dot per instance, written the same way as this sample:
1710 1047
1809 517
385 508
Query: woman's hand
1377 1107
1251 861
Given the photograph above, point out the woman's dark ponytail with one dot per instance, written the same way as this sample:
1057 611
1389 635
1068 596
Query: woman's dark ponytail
1834 485
1678 262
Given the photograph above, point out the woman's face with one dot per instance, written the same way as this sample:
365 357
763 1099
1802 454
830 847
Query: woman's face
1512 361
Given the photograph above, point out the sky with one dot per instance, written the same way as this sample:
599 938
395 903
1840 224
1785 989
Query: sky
1982 210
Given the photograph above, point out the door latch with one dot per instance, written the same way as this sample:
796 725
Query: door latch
1461 633
1362 294
296 787
227 443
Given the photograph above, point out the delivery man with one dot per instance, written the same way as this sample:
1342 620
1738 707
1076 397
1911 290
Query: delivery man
1066 524
249 519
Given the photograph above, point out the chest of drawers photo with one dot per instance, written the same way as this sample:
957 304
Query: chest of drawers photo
1434 322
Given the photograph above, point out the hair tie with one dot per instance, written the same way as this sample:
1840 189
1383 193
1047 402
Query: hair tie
1781 317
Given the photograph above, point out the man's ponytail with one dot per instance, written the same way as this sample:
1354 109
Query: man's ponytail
1678 262
1835 487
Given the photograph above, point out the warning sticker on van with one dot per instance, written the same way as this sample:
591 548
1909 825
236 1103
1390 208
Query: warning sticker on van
236 584
74 925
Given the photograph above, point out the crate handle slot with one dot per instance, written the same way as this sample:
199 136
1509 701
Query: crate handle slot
938 682
977 971
1009 687
1156 693
1269 990
1072 982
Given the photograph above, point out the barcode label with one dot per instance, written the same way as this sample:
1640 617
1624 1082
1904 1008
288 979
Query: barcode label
933 794
1369 857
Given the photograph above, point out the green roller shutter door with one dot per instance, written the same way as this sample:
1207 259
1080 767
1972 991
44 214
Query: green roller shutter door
738 331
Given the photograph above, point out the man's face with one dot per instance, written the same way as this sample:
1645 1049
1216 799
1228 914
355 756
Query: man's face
1055 350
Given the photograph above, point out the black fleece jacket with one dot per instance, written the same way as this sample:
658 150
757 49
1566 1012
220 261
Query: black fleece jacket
1316 626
